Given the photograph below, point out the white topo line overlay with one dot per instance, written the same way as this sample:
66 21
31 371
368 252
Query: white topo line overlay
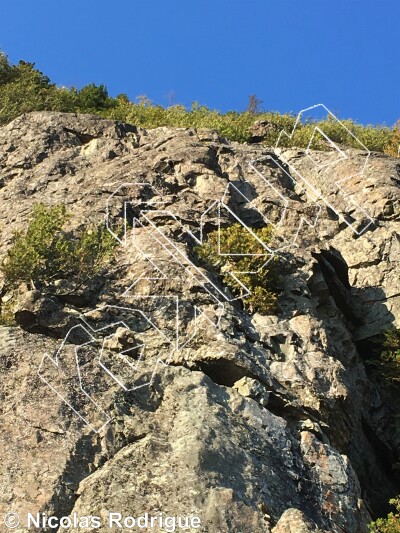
298 177
144 210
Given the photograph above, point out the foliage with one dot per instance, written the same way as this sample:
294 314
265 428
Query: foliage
46 251
393 147
375 138
245 257
390 354
94 98
391 524
6 314
386 355
23 88
91 251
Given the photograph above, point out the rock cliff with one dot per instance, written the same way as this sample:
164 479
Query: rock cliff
253 423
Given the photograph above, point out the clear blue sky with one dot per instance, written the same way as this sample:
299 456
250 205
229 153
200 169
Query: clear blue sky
290 53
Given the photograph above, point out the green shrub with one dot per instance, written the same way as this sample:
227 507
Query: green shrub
45 251
385 355
6 314
390 355
391 524
393 146
23 88
261 281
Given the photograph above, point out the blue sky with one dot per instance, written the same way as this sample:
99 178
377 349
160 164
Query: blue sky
290 53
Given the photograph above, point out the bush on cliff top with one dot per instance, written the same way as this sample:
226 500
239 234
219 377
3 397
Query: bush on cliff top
23 88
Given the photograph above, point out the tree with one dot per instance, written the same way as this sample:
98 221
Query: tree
6 69
23 89
93 97
254 104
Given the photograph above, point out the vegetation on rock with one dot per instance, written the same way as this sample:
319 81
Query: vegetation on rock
386 355
45 251
6 314
23 88
391 524
235 250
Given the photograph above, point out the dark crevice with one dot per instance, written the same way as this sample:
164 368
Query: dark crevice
28 322
368 347
227 373
53 432
338 264
384 454
281 406
335 272
77 300
222 371
79 466
84 138
382 439
386 458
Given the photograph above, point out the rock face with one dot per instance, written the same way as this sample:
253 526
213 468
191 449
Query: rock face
250 422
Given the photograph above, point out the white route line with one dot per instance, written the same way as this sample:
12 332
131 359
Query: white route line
194 272
342 154
303 220
56 361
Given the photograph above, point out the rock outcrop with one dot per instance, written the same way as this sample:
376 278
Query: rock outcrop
251 422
